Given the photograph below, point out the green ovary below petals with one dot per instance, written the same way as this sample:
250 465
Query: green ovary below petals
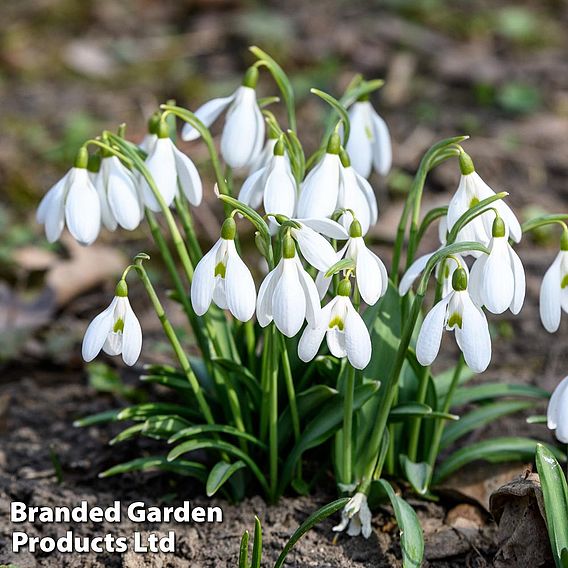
455 319
336 322
564 282
474 201
118 326
220 270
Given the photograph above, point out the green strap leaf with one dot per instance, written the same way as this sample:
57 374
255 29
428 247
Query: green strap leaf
417 410
343 264
339 108
145 410
99 418
312 520
411 537
243 552
555 492
127 434
181 467
191 431
257 544
496 450
466 395
418 474
220 474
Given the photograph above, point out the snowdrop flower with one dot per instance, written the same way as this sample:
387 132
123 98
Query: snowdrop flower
471 190
344 329
498 279
243 133
357 195
444 270
273 185
356 517
320 189
222 277
370 272
74 201
369 143
116 330
266 153
288 295
456 312
557 411
120 201
151 136
554 289
170 167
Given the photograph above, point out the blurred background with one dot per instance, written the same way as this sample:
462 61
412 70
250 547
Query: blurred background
495 70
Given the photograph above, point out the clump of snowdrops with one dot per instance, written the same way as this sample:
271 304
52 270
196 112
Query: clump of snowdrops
322 354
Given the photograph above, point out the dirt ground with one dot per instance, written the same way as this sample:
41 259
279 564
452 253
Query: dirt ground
496 71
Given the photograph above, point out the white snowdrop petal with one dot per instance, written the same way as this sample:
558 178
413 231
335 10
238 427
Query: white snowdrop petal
289 303
239 285
54 211
314 248
371 198
113 343
123 200
203 284
557 405
382 150
57 191
265 295
413 272
550 308
97 332
357 339
311 338
320 190
498 280
207 113
360 140
520 282
473 338
313 307
369 275
336 342
83 208
476 285
188 177
326 227
131 336
220 293
280 189
162 167
251 190
430 336
458 204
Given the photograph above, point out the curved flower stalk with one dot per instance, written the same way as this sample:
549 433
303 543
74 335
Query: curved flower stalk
170 167
243 133
557 411
356 517
471 190
344 329
273 185
370 272
72 201
456 312
369 143
497 280
444 270
554 289
223 278
120 201
288 295
116 331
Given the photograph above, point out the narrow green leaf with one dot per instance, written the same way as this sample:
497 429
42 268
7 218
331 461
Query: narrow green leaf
417 474
539 419
343 264
163 427
411 537
170 381
465 395
444 380
182 467
127 434
220 474
480 417
100 418
257 544
243 552
496 450
417 409
144 411
555 492
192 431
339 108
312 520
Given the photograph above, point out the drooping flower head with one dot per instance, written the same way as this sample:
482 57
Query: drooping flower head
72 201
243 133
554 289
557 411
344 329
356 517
456 312
369 143
222 277
471 190
498 279
116 331
288 295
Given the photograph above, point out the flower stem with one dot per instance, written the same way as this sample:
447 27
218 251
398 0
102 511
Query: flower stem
273 415
290 387
195 252
348 424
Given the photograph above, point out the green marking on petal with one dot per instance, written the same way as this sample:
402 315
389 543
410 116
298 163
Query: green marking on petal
447 271
564 282
118 326
220 270
368 133
336 322
473 202
455 319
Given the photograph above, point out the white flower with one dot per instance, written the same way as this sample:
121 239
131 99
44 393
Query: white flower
116 331
357 515
370 272
554 291
273 185
456 312
498 279
369 143
222 277
356 194
471 190
74 201
120 201
557 412
265 155
170 167
243 133
344 329
288 295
